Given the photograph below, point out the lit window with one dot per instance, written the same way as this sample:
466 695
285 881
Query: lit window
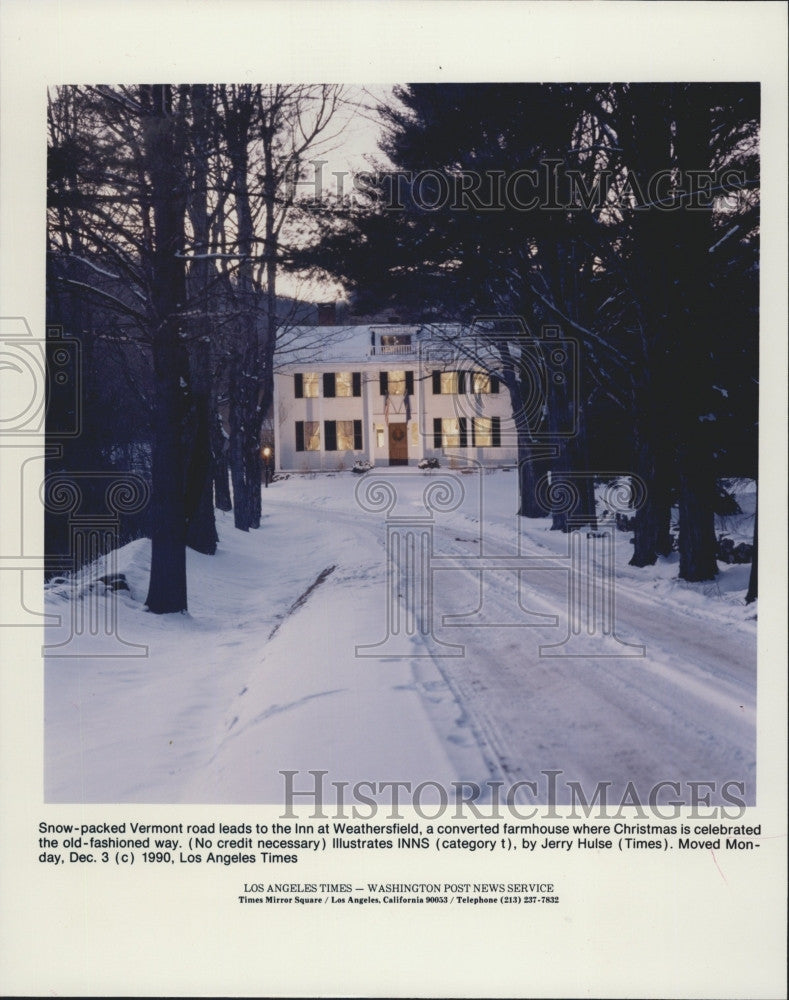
379 436
343 384
480 382
342 435
449 383
396 383
308 435
345 441
449 432
486 432
311 388
482 432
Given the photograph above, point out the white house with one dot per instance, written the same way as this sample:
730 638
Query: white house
389 395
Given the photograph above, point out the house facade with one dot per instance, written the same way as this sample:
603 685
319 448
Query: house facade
387 394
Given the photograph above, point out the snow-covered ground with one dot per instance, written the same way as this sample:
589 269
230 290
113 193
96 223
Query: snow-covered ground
272 668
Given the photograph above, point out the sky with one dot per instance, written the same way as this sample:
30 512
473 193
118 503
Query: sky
352 146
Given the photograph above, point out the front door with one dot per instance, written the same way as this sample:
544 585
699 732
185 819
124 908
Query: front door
398 444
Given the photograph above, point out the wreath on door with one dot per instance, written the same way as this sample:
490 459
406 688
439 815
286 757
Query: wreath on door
398 433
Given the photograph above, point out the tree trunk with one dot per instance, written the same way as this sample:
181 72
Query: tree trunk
533 464
645 127
239 414
164 155
753 579
572 468
221 470
244 452
652 535
245 370
201 527
534 458
697 542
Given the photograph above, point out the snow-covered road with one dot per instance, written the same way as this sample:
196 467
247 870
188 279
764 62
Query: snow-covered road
267 675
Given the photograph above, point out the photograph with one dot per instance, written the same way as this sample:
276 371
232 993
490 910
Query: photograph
444 470
393 481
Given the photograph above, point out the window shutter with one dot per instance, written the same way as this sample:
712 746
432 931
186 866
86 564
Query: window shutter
473 432
330 435
463 432
409 383
383 379
436 383
298 387
357 435
329 385
461 383
299 434
495 432
356 383
494 383
436 432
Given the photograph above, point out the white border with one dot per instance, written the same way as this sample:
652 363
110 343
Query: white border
699 937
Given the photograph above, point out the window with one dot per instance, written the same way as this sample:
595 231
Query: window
482 382
343 384
308 435
445 383
486 432
481 432
379 436
396 383
457 383
305 385
395 339
449 383
450 432
343 435
395 343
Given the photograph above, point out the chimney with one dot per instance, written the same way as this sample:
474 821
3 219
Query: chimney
327 314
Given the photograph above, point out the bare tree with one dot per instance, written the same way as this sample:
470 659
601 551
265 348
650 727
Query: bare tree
267 132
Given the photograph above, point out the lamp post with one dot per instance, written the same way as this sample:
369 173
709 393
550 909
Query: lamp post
267 460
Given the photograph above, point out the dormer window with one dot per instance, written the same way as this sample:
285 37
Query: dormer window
395 343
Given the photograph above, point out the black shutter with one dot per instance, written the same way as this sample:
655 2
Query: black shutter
383 379
495 432
436 383
463 432
299 433
461 383
330 435
436 432
473 432
357 435
356 383
494 383
298 387
409 383
329 384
